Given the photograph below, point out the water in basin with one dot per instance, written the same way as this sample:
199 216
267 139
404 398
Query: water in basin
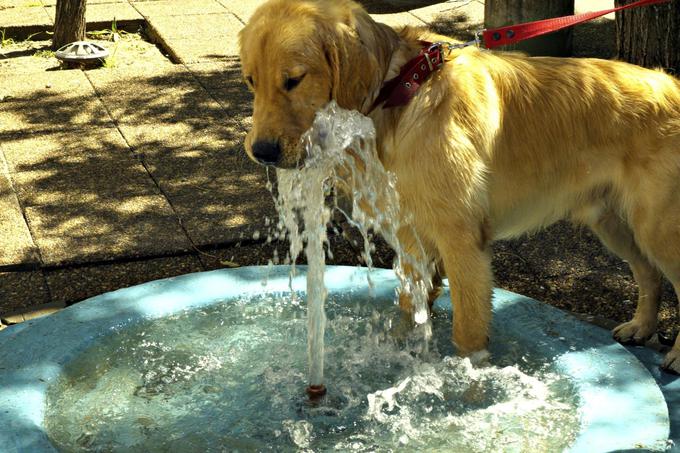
232 376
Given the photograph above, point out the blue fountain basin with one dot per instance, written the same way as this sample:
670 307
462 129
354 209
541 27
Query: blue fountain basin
622 404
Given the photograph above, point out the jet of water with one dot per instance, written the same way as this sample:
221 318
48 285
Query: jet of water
342 157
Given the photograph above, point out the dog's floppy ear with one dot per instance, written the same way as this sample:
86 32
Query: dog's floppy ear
358 51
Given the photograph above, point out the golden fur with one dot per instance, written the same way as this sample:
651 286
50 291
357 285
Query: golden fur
492 146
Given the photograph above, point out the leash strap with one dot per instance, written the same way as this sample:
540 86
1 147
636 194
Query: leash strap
511 34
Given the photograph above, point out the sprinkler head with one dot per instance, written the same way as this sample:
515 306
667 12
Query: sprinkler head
316 392
82 52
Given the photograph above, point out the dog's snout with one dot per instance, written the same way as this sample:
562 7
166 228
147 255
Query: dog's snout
267 152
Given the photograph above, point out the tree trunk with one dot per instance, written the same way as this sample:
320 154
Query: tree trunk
650 36
499 13
69 23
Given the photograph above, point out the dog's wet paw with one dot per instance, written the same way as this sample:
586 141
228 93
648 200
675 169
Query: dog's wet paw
480 358
671 363
633 332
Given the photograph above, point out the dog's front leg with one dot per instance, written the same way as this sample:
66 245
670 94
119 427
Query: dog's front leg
467 264
434 291
417 251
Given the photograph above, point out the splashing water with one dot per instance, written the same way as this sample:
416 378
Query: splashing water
227 378
341 155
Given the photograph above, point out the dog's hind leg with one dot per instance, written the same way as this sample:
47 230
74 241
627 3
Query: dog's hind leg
663 245
654 213
671 269
617 236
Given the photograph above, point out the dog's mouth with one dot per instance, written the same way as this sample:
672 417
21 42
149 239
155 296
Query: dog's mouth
295 157
278 153
285 164
298 165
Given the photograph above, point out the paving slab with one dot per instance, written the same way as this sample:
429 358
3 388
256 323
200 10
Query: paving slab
7 4
399 20
218 26
237 102
183 142
202 169
22 289
584 6
78 167
24 60
219 74
89 2
53 100
74 284
104 13
397 6
30 15
451 11
225 210
198 38
117 228
242 9
196 50
25 152
133 53
223 80
16 244
154 9
153 95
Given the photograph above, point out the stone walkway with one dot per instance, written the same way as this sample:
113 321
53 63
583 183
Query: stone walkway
117 176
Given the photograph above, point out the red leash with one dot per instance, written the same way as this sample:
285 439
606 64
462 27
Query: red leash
511 34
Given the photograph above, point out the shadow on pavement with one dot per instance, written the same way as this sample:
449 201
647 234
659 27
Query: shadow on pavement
394 6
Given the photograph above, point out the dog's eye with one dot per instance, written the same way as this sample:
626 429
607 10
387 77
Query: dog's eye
249 79
292 82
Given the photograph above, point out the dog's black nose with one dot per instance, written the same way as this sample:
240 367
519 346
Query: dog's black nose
267 153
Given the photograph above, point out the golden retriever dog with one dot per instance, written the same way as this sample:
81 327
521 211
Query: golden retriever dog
492 145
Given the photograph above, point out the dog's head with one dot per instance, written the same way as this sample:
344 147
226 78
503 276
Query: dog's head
296 56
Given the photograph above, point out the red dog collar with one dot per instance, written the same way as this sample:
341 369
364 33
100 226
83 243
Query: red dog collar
401 89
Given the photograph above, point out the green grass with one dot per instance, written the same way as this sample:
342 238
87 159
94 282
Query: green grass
111 34
4 41
110 61
44 53
32 35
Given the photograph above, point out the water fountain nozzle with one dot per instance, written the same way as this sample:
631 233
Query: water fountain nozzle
316 392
